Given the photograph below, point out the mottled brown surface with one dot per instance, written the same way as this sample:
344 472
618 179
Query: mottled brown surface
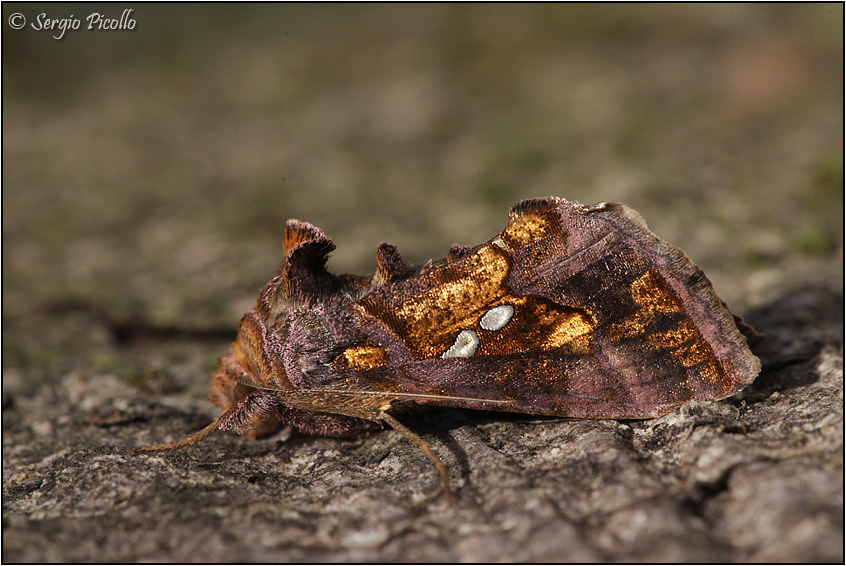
147 178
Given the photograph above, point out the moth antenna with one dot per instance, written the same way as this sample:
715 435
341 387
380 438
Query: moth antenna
389 263
186 442
394 395
427 450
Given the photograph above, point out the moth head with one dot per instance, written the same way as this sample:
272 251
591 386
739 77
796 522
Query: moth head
258 355
303 318
254 358
300 284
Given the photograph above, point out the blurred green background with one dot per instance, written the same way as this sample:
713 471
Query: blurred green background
148 173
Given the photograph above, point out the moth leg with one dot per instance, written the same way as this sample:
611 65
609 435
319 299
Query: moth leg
427 450
186 442
254 416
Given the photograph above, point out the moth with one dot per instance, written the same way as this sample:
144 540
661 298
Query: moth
572 310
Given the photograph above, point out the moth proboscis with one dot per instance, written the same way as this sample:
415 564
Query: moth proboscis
571 311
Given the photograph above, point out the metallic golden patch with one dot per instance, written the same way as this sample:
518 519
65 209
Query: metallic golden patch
580 345
689 347
453 298
539 324
627 328
566 329
654 300
684 332
462 292
652 295
713 372
526 228
694 352
363 358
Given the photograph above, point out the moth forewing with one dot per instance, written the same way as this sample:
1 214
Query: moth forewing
572 310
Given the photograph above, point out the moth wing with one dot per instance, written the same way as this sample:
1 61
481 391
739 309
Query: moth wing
572 311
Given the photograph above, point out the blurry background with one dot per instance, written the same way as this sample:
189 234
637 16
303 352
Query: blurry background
148 173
